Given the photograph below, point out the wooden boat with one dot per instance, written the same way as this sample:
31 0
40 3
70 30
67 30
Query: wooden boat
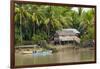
42 53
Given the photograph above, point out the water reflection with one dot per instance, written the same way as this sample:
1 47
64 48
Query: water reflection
65 55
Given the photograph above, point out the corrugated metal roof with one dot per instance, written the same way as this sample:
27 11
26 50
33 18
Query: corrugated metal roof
67 32
71 30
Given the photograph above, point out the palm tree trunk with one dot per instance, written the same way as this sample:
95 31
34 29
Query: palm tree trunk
34 28
21 37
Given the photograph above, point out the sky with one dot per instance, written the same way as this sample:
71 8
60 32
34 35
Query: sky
84 9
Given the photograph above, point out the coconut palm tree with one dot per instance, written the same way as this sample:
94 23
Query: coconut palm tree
89 20
46 19
22 17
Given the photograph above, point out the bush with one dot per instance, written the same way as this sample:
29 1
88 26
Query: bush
17 40
43 43
38 37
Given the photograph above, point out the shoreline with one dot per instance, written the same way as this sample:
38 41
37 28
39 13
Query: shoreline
59 48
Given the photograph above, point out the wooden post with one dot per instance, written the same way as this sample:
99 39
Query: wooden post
59 42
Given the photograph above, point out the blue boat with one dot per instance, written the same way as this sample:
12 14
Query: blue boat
42 53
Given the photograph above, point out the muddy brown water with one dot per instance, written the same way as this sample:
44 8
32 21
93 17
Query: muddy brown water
65 55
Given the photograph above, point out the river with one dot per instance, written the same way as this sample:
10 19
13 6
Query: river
65 55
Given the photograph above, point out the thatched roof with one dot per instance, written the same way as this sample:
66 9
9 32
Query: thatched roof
67 32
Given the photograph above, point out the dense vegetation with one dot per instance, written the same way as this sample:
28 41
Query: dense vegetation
39 22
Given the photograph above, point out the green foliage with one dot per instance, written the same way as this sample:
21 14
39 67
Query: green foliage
38 37
39 22
17 40
43 43
17 36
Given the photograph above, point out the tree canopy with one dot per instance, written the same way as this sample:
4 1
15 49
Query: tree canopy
39 22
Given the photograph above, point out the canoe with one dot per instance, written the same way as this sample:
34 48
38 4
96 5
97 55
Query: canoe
42 53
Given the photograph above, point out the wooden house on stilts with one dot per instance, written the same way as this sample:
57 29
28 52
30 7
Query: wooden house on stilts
67 36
